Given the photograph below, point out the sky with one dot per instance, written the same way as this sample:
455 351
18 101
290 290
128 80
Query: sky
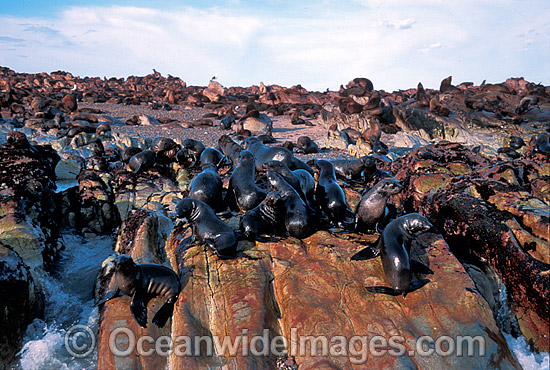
319 44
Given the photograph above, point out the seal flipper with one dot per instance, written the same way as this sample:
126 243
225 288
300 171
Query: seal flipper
164 313
384 290
110 295
420 268
138 308
366 254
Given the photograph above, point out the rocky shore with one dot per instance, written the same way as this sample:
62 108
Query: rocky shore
472 159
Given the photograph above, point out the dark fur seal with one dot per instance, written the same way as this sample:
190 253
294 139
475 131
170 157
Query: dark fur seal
230 149
542 144
143 282
142 161
242 192
394 248
165 149
300 180
207 186
516 142
275 153
298 222
305 145
193 150
207 227
329 195
351 169
264 219
212 156
128 153
371 209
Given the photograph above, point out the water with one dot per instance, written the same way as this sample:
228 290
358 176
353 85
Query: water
69 302
529 360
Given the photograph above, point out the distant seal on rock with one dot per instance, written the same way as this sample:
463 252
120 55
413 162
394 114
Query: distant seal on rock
394 248
143 282
304 144
371 209
541 144
207 186
207 227
351 169
298 222
277 153
242 191
329 195
142 161
264 219
516 142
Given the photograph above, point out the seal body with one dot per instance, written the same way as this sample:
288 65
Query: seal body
143 282
305 145
142 161
329 195
242 192
264 218
542 144
298 222
207 227
213 156
230 149
207 186
351 169
395 245
264 154
371 209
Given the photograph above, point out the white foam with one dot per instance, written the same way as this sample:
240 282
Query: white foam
69 302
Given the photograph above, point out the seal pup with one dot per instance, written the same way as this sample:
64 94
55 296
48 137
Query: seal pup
329 195
143 282
277 153
516 142
352 169
207 186
372 209
298 222
305 145
207 227
242 191
542 144
394 248
264 219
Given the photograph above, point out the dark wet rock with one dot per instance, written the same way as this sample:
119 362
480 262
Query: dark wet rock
21 302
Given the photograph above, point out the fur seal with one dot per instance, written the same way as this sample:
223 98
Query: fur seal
165 149
230 149
213 156
329 195
516 142
394 248
298 222
207 186
194 149
351 169
371 209
263 219
305 145
207 227
143 282
142 161
300 180
242 191
128 153
542 144
277 153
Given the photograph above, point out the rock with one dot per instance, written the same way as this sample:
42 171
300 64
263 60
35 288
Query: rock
67 169
336 140
258 126
214 91
21 303
140 238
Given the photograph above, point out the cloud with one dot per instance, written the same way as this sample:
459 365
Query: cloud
430 47
10 39
325 45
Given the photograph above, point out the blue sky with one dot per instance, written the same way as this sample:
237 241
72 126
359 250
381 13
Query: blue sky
319 44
